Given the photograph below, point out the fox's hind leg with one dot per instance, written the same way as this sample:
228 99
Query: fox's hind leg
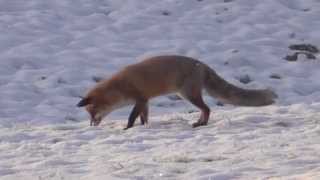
205 111
194 95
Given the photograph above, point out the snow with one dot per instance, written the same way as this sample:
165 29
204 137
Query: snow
51 52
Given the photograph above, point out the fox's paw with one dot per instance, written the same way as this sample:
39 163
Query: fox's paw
199 123
126 128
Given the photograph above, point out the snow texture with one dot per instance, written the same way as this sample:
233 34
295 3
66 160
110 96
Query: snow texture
53 52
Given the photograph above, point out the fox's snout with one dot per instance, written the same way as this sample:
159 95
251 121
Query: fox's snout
94 121
83 102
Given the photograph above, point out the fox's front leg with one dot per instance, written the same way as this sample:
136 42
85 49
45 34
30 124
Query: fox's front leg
144 115
136 111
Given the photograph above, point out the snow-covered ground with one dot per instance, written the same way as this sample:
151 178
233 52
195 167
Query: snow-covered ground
51 52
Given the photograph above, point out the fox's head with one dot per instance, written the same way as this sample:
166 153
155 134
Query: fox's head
100 103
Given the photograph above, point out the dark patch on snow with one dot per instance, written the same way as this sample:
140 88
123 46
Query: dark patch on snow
56 140
306 9
294 57
304 47
61 81
282 124
235 51
245 79
166 13
275 76
219 21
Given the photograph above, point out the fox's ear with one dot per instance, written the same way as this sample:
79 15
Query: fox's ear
83 102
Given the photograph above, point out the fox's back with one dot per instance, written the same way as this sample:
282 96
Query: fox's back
161 74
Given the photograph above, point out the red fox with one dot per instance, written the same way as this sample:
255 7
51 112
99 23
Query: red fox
159 75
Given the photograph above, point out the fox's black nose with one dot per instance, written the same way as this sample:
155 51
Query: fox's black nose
83 102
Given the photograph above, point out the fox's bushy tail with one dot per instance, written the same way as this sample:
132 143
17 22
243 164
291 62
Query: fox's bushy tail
231 94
